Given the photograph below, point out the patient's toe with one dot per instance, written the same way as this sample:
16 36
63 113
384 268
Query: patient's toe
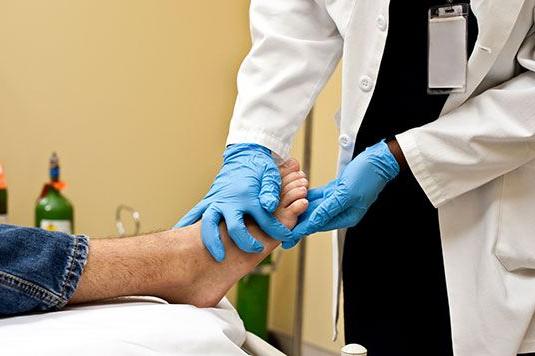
293 195
292 176
291 165
297 208
290 209
301 182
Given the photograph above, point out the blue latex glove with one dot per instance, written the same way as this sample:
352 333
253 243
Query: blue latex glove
343 202
249 183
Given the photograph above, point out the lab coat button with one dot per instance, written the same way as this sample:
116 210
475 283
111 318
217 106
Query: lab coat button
344 140
381 23
366 83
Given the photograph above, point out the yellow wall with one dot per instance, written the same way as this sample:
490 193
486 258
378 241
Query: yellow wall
135 96
318 327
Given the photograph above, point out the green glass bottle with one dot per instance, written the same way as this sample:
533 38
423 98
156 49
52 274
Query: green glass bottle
3 197
53 211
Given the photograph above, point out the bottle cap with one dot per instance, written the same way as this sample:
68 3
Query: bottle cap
354 349
3 182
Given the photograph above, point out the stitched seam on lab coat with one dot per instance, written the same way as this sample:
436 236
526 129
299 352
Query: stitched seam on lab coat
329 68
417 163
434 186
499 220
373 63
265 134
278 146
350 18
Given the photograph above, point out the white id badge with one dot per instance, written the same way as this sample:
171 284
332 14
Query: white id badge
448 52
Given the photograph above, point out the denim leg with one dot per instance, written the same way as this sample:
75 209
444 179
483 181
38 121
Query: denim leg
39 270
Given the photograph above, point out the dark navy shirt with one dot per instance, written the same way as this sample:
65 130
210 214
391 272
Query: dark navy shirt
395 300
400 100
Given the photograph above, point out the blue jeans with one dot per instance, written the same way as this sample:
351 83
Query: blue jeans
39 270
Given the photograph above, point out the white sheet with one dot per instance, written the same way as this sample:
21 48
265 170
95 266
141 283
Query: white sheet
128 326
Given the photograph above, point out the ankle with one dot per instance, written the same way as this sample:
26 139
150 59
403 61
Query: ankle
187 263
186 276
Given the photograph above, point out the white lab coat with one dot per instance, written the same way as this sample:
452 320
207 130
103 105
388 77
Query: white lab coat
476 163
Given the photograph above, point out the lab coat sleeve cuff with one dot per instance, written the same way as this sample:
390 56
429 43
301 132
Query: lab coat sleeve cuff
420 169
276 145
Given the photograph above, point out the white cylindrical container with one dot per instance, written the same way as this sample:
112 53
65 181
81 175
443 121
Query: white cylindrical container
354 350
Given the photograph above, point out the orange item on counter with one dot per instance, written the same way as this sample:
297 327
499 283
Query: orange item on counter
3 182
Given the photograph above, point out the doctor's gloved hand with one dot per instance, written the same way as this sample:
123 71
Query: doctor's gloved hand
343 202
248 183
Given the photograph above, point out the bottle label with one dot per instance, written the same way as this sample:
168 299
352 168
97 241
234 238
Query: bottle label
3 219
57 225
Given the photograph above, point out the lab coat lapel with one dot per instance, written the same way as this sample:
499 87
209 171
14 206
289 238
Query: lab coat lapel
496 20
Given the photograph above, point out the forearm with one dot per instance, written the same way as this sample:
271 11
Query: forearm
284 72
487 137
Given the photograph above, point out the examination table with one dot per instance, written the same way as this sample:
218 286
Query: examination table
130 327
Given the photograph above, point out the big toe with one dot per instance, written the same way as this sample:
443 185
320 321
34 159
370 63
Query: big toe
289 166
298 207
288 216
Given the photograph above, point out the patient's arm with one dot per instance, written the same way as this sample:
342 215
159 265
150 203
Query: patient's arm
174 264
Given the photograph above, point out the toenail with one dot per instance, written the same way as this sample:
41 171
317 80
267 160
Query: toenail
289 163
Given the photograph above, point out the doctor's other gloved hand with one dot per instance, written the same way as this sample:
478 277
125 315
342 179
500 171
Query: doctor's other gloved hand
248 183
343 202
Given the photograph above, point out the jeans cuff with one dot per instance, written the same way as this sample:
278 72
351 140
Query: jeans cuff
75 265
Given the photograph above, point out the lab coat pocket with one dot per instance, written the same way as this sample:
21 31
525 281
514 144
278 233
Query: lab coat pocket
515 246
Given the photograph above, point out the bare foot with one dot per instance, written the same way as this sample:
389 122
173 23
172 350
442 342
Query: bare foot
210 280
174 264
293 194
